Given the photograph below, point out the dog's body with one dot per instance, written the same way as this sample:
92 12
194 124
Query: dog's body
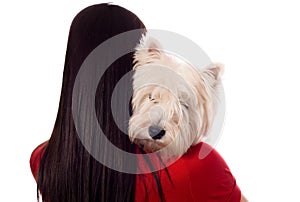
173 102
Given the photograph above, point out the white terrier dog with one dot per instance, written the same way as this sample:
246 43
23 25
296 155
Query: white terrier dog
173 103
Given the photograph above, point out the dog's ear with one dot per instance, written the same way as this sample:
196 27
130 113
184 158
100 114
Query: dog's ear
212 74
148 50
149 43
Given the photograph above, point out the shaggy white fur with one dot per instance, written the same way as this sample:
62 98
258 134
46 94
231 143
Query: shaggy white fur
173 102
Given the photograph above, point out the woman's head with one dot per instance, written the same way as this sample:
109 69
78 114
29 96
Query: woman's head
68 172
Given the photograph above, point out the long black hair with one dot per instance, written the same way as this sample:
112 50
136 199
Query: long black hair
68 173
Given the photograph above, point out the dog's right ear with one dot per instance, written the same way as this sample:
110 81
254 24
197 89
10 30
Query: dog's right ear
147 51
149 43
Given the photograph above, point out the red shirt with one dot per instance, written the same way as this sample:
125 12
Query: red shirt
193 179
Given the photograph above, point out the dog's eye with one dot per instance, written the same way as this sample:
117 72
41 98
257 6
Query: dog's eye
184 105
150 98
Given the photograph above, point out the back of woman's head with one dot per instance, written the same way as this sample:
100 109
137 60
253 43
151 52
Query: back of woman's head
67 171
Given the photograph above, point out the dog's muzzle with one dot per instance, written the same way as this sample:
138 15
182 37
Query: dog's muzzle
156 132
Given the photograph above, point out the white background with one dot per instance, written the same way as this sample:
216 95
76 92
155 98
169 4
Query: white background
258 41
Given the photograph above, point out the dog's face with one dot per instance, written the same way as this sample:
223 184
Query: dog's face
172 101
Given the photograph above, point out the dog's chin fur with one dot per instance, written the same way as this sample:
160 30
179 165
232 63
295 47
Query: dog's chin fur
173 95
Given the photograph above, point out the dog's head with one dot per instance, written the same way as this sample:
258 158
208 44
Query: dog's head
172 103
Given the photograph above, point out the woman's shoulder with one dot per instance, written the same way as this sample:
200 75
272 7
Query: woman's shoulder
209 174
201 174
35 158
204 156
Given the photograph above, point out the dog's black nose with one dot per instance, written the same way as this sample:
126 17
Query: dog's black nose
156 132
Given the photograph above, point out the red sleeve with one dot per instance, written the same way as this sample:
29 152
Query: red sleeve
36 158
211 178
199 175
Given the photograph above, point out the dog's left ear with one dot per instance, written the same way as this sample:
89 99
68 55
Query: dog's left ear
212 74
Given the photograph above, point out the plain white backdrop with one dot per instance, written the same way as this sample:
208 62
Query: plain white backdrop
258 41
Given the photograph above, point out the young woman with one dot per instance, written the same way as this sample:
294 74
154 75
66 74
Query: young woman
66 172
